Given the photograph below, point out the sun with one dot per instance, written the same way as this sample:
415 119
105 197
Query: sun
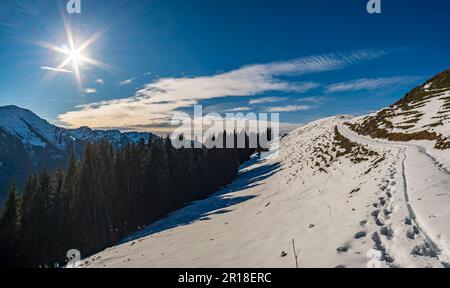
76 55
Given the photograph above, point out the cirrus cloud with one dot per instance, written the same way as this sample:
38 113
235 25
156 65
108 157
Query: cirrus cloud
370 83
90 90
289 108
239 109
54 69
126 82
267 100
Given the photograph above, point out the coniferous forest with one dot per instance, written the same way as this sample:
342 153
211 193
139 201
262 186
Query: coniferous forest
105 195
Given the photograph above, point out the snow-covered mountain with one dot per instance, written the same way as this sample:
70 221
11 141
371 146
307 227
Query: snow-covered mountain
34 131
343 194
29 143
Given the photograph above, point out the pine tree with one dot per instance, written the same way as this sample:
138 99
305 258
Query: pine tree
59 219
9 226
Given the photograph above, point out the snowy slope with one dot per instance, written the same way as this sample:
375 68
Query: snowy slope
346 200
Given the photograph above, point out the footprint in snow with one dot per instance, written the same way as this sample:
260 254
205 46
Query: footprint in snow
343 249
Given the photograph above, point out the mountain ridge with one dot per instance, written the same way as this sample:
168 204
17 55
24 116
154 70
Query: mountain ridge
35 131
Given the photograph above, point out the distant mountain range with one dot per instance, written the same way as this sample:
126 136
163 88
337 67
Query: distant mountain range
30 143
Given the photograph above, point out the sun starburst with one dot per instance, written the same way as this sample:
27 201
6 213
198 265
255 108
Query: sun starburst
76 55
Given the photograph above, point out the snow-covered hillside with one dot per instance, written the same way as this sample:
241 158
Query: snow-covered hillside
346 200
423 114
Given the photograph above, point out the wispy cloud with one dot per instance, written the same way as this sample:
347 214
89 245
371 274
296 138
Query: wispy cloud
99 81
370 84
53 69
29 7
239 109
90 90
267 100
312 99
289 108
7 25
126 82
156 102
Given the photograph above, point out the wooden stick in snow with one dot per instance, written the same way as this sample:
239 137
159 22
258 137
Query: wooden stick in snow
295 253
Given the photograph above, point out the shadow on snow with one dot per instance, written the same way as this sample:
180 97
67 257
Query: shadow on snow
218 203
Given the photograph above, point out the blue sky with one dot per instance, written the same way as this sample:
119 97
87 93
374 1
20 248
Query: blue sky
304 59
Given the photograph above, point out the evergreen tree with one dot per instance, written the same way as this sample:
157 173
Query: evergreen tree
9 226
